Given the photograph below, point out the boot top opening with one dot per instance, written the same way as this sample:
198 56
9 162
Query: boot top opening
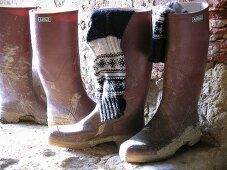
16 7
192 7
16 10
53 11
127 9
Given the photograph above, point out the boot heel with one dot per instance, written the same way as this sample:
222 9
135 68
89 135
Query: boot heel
194 136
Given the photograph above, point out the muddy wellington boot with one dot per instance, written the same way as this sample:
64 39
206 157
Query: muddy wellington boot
92 130
17 98
55 44
176 122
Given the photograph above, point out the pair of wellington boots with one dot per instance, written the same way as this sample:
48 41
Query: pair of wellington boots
62 82
18 100
55 46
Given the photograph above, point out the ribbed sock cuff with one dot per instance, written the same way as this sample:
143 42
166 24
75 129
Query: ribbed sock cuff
111 107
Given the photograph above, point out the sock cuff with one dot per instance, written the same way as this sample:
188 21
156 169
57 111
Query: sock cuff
112 107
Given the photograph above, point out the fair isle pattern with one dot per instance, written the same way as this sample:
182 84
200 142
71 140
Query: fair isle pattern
110 76
112 65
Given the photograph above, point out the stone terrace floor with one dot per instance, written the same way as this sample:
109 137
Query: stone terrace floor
25 147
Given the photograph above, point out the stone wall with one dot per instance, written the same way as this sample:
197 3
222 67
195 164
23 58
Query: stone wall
213 100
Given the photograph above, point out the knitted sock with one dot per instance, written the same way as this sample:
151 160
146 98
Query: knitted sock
104 36
157 54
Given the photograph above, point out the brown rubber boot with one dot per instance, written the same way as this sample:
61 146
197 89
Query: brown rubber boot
18 100
90 131
176 121
55 44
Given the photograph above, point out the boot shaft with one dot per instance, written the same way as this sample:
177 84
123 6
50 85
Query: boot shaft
15 45
18 99
55 41
186 56
54 36
136 45
15 27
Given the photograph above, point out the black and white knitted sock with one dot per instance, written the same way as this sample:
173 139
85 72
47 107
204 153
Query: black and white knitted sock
157 54
104 36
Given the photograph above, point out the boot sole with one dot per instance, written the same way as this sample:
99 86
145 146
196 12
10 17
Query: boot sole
87 144
13 117
10 117
189 137
60 121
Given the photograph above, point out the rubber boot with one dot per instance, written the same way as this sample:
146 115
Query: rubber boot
17 98
90 131
55 45
176 122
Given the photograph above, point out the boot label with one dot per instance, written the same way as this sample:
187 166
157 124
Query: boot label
44 19
197 18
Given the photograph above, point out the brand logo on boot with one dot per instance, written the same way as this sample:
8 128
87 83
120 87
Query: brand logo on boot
197 18
44 19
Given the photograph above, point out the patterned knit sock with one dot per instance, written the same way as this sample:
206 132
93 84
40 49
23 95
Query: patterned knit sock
104 36
157 54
